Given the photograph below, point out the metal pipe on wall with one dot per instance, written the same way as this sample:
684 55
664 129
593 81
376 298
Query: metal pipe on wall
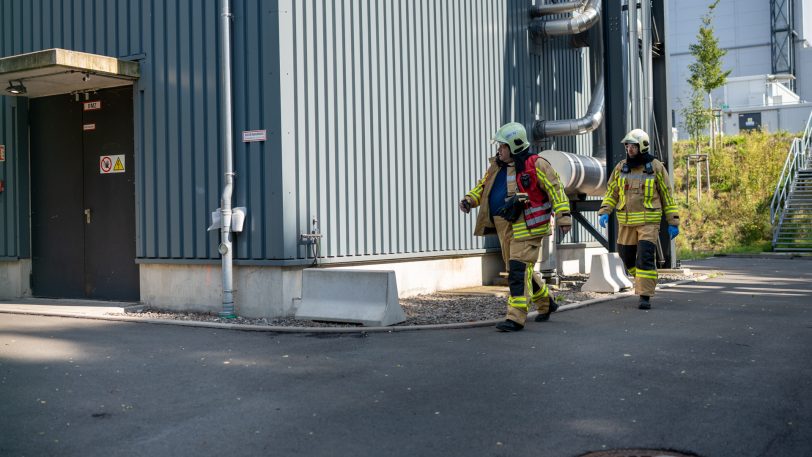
648 82
633 59
580 22
589 122
555 8
226 248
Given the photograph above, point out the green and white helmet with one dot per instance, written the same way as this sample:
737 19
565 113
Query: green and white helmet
638 137
514 135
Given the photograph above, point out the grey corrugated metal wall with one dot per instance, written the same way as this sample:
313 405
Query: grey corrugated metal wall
378 115
14 201
390 106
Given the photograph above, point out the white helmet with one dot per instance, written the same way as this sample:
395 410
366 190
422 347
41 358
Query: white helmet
638 137
514 135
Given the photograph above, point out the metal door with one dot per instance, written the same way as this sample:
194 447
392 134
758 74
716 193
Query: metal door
109 196
57 229
101 225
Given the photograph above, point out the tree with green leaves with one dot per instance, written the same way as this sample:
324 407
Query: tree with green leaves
706 74
695 117
706 71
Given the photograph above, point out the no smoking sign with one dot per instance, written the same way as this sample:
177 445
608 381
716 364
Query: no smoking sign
111 164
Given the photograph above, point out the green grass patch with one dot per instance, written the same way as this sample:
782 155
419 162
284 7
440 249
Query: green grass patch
733 216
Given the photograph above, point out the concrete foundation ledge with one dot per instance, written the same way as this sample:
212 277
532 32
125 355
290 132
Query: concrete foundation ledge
258 291
15 278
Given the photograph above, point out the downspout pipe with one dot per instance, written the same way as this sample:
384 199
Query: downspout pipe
647 84
578 23
566 127
555 8
227 114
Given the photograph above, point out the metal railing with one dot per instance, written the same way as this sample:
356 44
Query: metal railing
797 159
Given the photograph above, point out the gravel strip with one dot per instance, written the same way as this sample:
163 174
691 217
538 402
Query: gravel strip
430 309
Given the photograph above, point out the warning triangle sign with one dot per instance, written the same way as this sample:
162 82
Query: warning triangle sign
118 166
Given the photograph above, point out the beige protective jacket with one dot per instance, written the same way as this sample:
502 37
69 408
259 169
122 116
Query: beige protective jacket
640 198
549 182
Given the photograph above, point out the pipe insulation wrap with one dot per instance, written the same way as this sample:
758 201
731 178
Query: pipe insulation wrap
579 174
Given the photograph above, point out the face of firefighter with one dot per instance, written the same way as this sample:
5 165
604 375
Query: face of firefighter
632 149
504 153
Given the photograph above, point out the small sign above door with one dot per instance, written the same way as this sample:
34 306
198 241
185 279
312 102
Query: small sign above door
91 106
87 127
111 164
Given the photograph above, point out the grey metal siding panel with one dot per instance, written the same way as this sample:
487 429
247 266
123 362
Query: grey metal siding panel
14 200
9 216
394 105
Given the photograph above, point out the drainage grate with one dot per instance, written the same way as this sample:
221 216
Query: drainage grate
638 453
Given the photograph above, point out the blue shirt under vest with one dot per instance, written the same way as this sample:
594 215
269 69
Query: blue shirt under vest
496 199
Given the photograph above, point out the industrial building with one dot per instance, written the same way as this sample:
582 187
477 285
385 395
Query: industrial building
768 48
341 133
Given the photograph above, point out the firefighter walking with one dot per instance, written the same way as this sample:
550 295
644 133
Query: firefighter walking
517 196
639 189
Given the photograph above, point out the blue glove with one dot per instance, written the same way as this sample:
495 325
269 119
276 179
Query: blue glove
673 231
603 220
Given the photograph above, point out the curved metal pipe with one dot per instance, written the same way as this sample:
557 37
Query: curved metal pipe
564 127
581 21
555 8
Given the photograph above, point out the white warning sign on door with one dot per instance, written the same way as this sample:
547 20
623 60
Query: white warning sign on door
112 164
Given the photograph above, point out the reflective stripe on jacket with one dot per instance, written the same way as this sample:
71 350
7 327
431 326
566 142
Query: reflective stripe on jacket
547 181
640 198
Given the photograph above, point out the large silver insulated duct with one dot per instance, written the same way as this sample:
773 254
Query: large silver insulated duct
579 174
579 22
555 8
565 127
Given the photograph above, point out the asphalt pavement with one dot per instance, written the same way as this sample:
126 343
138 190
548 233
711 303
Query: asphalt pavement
721 367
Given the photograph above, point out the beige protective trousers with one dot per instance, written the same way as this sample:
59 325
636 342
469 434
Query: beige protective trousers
637 247
531 289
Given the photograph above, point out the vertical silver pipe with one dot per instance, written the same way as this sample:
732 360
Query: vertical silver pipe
624 33
648 80
634 65
225 248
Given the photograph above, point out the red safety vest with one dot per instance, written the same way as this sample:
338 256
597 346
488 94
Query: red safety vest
539 208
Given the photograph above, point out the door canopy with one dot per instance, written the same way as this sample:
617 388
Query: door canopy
59 71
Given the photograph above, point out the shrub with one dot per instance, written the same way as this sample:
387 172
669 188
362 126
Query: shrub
734 214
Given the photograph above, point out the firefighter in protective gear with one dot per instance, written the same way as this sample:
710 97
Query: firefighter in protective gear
517 196
639 189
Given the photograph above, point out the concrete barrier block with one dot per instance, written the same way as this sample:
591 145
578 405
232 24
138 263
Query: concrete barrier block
365 297
607 274
618 270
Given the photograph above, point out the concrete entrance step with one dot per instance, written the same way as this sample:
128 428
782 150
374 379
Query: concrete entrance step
487 291
62 307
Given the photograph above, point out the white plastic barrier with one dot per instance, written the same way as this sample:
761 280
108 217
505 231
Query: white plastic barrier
607 274
367 297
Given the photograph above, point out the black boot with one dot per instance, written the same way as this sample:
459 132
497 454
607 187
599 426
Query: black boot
644 302
543 317
509 326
